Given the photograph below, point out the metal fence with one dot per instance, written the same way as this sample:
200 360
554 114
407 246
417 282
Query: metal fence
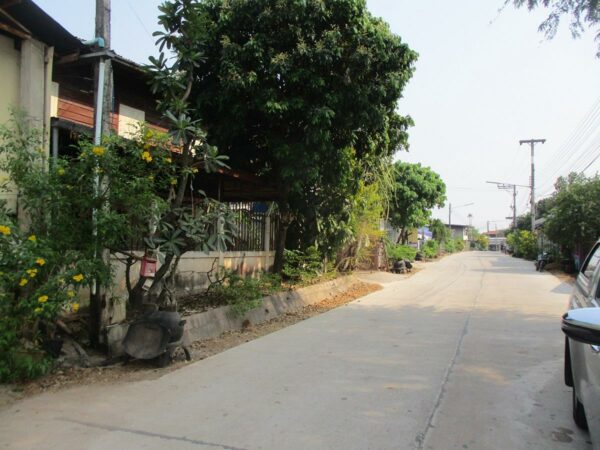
256 224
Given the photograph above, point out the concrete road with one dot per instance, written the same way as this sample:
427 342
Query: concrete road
467 354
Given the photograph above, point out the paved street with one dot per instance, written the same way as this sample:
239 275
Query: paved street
466 354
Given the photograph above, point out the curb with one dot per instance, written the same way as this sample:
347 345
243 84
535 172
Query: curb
213 323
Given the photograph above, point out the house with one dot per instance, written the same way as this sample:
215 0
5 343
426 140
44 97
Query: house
459 231
49 73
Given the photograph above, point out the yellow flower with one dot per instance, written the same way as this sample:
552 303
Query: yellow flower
4 230
32 272
98 151
43 298
146 156
37 310
23 282
194 170
148 134
78 277
151 177
173 181
60 171
70 294
75 307
32 238
40 261
168 160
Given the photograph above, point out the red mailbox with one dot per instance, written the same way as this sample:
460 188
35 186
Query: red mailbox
148 268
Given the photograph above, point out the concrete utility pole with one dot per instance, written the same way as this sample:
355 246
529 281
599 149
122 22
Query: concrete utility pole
103 93
103 31
450 212
532 143
509 187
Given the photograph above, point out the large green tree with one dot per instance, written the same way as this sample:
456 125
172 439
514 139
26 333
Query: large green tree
301 92
418 190
583 14
575 216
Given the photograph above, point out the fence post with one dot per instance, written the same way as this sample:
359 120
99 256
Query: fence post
267 235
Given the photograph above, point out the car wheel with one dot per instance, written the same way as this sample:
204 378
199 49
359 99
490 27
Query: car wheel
579 412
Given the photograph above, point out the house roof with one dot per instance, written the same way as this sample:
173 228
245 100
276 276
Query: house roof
27 17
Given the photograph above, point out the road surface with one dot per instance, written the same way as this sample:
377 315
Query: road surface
466 354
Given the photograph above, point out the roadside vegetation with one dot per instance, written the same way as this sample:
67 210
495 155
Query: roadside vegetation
569 225
311 106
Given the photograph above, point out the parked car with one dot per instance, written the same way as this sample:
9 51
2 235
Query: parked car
581 325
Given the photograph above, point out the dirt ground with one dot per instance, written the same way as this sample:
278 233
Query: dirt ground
143 370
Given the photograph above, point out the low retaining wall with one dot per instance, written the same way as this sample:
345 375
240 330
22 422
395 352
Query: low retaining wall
213 323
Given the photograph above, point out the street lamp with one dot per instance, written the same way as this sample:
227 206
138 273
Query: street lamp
450 212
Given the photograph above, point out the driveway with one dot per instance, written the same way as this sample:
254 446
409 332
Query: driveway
466 354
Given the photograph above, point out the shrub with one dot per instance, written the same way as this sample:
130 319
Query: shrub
244 294
450 246
37 283
460 244
396 252
523 243
302 267
431 249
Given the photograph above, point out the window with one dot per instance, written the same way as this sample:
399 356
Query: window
591 262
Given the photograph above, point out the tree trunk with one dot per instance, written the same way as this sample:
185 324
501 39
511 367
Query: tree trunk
285 220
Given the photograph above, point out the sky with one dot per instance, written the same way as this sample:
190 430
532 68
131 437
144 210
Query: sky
485 79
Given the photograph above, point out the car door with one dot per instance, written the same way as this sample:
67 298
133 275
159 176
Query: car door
585 358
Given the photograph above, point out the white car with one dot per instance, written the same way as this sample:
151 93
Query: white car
581 324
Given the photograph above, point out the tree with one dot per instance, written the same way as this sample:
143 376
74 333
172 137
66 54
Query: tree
575 216
583 13
301 92
440 232
418 190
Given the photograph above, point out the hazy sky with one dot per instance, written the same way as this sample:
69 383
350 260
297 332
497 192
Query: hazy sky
485 79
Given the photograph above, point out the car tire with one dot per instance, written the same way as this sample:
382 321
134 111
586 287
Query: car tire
579 412
568 374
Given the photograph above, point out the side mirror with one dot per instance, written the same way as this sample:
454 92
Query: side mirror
582 325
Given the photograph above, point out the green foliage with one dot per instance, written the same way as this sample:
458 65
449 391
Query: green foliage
583 14
483 242
397 252
450 246
417 191
431 249
302 92
459 244
574 217
523 244
244 294
441 232
302 267
366 212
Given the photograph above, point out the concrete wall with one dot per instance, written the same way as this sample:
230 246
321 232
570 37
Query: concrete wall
25 77
191 277
10 72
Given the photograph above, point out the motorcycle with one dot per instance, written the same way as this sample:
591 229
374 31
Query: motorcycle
541 261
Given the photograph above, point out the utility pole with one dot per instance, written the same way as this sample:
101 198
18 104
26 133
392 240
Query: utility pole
103 93
510 187
532 143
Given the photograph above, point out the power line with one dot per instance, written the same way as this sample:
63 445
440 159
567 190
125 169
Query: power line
578 138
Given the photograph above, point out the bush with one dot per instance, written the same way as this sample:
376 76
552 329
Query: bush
37 283
523 244
431 249
450 246
244 294
397 252
302 267
460 244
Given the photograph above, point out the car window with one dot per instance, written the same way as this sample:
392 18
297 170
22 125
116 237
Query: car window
591 263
